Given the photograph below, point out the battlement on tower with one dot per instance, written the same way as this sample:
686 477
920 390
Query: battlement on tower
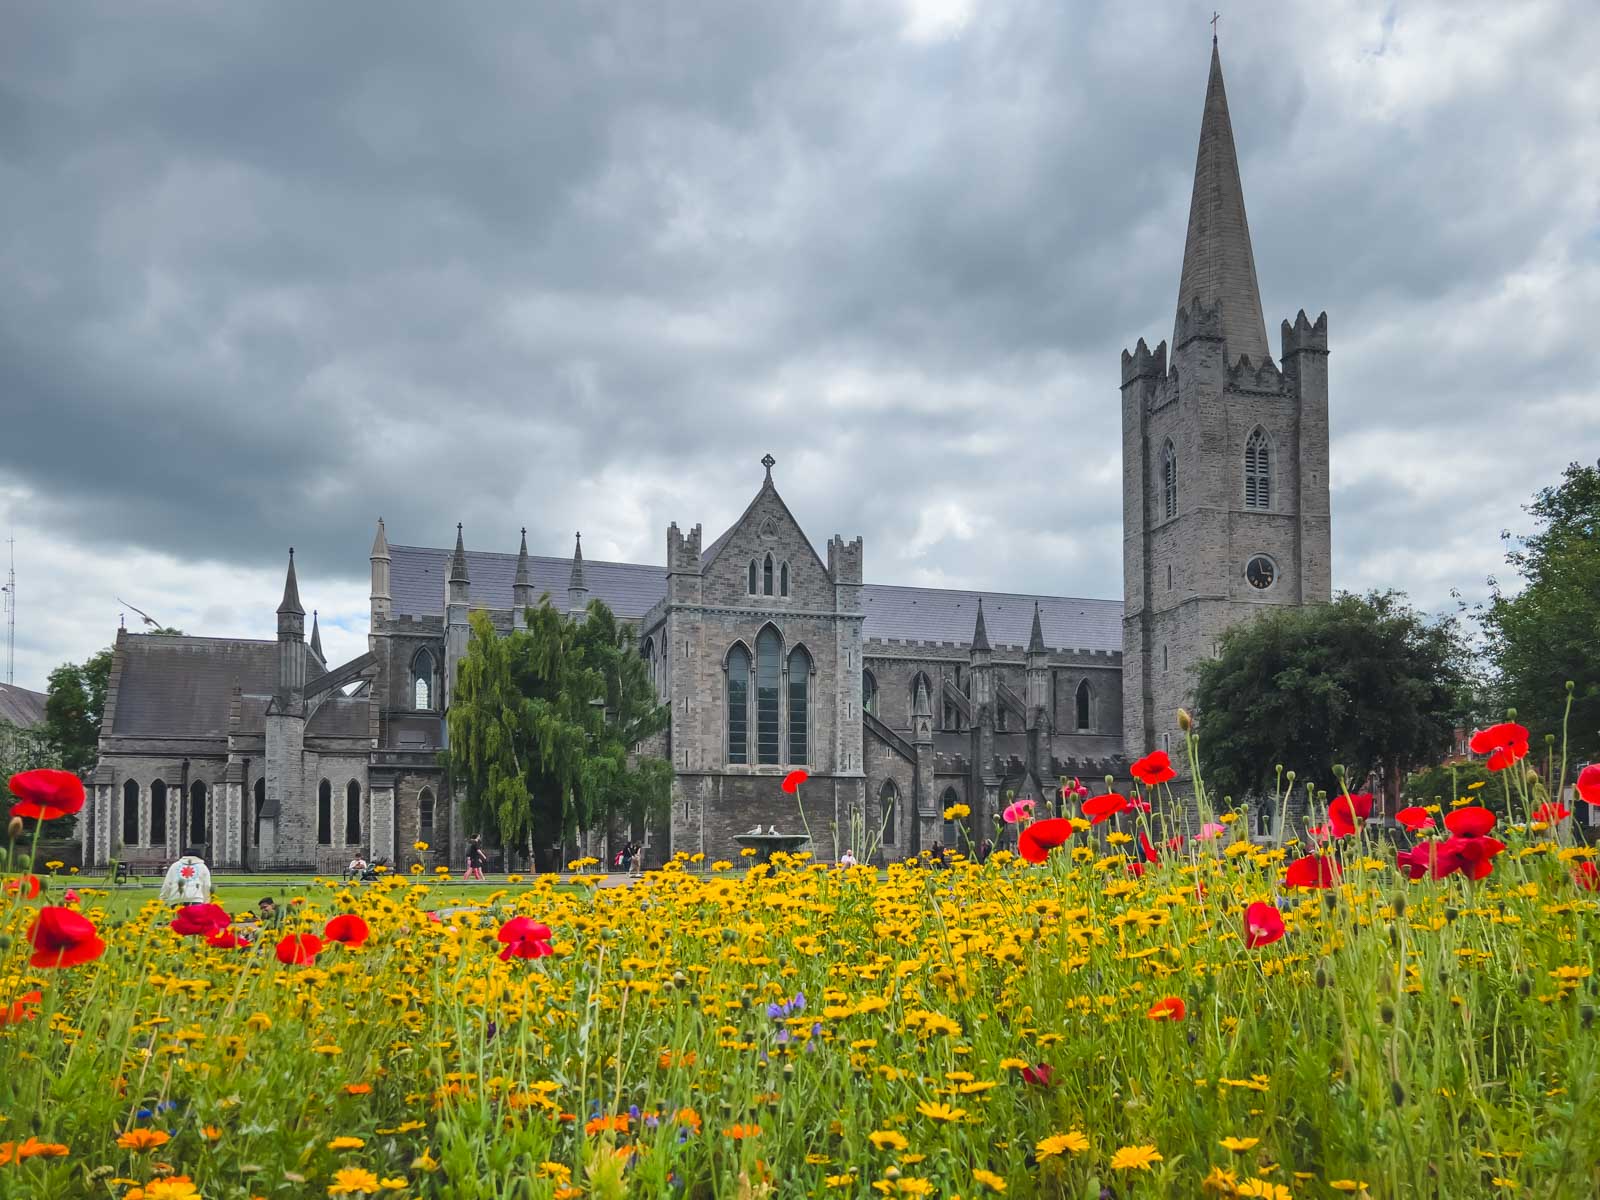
1303 335
1198 320
1143 363
1264 376
683 553
844 559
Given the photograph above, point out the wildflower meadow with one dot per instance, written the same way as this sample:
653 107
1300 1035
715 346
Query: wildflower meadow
1120 1007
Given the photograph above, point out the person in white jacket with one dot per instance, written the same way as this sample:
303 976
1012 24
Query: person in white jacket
188 881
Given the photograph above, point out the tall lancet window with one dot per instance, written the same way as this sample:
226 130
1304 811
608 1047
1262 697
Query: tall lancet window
422 680
738 705
769 681
352 813
766 576
1169 479
1257 471
799 704
1082 705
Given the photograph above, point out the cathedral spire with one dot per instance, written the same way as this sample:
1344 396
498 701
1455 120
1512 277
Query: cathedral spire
522 579
458 561
577 590
980 636
316 636
290 605
1036 638
1217 262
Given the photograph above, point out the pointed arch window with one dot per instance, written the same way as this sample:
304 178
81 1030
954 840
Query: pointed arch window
324 813
197 813
783 580
1169 479
766 576
352 813
130 813
261 803
738 705
158 813
888 801
869 693
1083 701
1257 471
952 829
422 680
752 588
425 813
799 705
769 682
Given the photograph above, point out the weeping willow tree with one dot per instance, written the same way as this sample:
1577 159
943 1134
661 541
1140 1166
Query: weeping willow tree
546 725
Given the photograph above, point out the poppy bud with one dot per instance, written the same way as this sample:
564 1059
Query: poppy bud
1533 776
1338 770
1386 1015
1185 721
1110 780
1586 1015
5 942
1524 987
1321 977
1549 739
14 828
891 1173
1450 914
1570 687
694 999
1289 776
679 979
1398 903
1394 936
627 977
1330 901
1511 714
1397 1092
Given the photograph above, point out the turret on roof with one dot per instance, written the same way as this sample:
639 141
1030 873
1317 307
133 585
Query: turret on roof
980 636
458 561
1217 259
291 592
1036 637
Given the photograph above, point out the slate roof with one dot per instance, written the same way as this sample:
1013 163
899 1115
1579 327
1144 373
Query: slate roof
183 686
21 708
417 577
948 615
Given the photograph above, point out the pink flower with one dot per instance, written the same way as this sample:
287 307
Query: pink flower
1019 811
1209 831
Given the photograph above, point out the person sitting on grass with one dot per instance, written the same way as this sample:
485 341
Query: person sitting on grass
268 912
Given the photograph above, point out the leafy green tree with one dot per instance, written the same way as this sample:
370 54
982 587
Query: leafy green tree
546 725
1364 682
1549 632
75 701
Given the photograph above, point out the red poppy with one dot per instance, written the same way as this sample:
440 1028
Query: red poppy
1263 925
1473 854
1312 871
200 920
63 938
1039 1075
28 885
1438 859
1587 876
1175 844
1472 822
1153 768
1170 1009
1346 813
1137 803
26 1007
1103 808
1136 869
1551 811
524 938
793 780
299 948
227 940
1504 743
1149 850
347 928
45 794
1036 841
1414 818
1589 784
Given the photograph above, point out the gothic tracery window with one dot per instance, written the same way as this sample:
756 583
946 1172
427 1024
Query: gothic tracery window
425 813
1257 471
1169 479
888 800
769 678
869 693
738 705
799 705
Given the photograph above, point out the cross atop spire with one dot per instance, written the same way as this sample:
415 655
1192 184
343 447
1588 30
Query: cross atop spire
768 462
1218 265
576 584
522 579
316 635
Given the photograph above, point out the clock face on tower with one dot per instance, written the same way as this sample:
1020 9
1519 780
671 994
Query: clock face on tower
1260 573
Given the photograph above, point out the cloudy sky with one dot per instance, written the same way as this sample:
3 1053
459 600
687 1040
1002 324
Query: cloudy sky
272 270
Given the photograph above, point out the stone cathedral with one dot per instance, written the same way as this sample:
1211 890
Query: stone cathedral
899 701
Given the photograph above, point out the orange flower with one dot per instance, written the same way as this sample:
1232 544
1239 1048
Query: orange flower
739 1132
689 1118
357 1089
1170 1009
619 1123
143 1139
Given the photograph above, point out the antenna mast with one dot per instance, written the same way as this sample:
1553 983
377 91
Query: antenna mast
11 612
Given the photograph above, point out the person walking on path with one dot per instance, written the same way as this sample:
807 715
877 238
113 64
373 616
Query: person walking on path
476 859
188 881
